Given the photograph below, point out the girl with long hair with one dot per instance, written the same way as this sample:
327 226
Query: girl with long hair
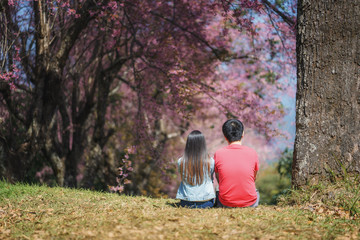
196 169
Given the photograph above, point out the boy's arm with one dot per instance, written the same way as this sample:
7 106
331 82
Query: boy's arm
256 167
216 182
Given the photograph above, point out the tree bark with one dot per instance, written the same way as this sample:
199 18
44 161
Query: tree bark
49 93
328 90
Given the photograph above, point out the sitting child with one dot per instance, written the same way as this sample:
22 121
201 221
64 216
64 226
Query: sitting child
196 169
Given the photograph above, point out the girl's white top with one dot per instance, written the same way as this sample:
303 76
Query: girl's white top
202 192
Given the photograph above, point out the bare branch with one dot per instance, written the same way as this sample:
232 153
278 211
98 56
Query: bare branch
285 17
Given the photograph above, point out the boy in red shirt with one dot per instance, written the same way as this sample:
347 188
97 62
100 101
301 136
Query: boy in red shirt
236 167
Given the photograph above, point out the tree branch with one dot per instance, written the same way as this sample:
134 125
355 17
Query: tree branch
286 18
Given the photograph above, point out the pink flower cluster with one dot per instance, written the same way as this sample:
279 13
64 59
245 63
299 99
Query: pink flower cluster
8 78
124 171
41 175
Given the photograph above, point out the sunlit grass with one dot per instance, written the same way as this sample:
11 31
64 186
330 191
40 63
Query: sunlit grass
339 195
36 212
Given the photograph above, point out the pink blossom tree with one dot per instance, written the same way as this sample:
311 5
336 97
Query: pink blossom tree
94 78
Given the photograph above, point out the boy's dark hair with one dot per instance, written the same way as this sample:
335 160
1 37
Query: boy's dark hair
233 130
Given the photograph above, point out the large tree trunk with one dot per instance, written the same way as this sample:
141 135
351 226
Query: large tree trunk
50 94
328 90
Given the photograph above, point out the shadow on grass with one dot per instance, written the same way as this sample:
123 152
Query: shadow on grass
172 204
177 205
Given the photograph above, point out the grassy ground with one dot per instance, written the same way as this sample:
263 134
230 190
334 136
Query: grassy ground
34 212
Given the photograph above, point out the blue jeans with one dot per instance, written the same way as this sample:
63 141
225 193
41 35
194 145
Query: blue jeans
189 204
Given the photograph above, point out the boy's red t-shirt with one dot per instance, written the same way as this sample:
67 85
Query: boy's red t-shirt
236 166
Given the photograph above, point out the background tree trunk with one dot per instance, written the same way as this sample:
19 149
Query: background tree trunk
328 90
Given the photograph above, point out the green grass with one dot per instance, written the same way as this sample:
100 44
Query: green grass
38 212
270 184
338 195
